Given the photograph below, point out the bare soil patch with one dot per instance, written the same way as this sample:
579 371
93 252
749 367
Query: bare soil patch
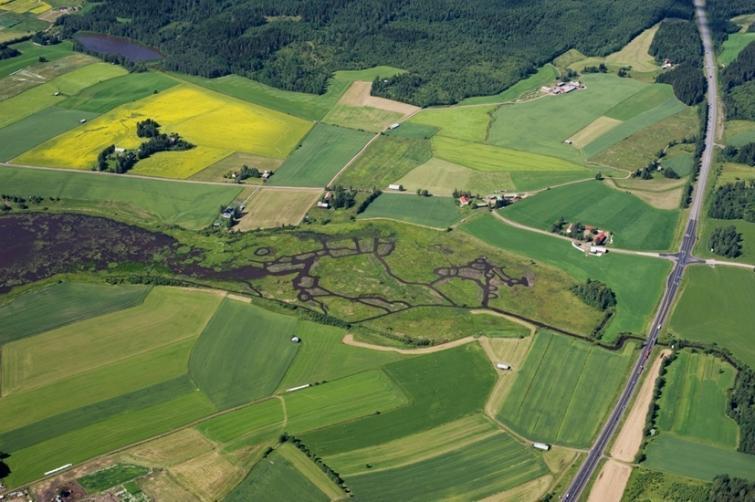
532 490
663 194
273 208
358 94
611 482
349 340
628 441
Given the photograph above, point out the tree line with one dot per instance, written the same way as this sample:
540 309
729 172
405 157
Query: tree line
679 41
738 85
451 49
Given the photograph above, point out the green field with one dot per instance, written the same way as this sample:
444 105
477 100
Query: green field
638 282
668 453
112 476
733 45
58 304
694 400
249 424
74 348
635 224
739 132
438 212
553 398
192 206
715 307
442 387
321 356
441 177
37 128
274 479
242 354
468 124
475 471
528 170
364 118
654 486
386 160
105 96
544 76
322 153
30 54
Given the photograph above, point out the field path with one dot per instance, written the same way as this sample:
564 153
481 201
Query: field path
713 262
285 411
349 340
611 482
628 441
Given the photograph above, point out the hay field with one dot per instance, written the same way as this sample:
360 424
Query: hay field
274 208
320 156
636 225
668 453
635 53
695 398
105 96
246 425
39 73
30 54
637 281
594 129
213 121
386 160
243 353
553 398
441 177
716 307
23 6
37 128
465 123
62 303
191 206
474 471
436 212
363 118
66 351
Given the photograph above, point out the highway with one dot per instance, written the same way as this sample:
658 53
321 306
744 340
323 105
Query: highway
683 257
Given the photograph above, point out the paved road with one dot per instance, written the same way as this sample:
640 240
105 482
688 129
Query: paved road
672 285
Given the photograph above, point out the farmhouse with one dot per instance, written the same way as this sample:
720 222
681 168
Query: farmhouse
464 200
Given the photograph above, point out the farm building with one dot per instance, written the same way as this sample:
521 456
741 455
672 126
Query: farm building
266 174
464 200
503 366
598 250
393 126
563 87
396 187
541 446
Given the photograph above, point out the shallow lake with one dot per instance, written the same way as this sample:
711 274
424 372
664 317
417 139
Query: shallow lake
117 46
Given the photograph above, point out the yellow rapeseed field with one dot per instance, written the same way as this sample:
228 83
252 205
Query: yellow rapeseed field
217 124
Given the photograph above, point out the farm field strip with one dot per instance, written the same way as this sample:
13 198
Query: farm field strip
435 212
669 453
274 208
30 54
441 177
247 424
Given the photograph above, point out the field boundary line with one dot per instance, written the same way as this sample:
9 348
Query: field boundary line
385 218
348 339
354 158
513 319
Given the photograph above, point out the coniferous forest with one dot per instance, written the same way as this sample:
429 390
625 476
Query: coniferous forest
450 48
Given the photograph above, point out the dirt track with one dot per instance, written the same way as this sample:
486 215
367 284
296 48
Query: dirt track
630 437
612 479
349 340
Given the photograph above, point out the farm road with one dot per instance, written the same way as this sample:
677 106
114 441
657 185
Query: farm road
349 340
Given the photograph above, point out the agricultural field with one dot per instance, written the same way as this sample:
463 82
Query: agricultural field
386 160
715 307
234 162
739 132
465 123
63 303
633 223
191 206
103 97
733 45
41 72
30 54
217 124
242 354
694 400
668 453
363 118
268 208
436 212
320 156
492 465
553 398
654 486
441 177
637 281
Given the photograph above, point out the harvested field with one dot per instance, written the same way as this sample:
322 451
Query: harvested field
629 439
362 118
441 177
162 486
386 160
635 53
663 194
595 129
610 483
210 476
40 73
30 54
531 490
512 351
275 207
172 449
235 162
358 94
311 471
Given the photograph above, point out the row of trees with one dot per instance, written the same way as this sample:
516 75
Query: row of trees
726 241
741 408
451 50
734 201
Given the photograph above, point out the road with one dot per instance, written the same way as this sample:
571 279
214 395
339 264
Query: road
684 255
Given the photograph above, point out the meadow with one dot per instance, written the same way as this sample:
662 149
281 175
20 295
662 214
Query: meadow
638 282
274 208
105 96
219 123
694 400
62 303
321 155
242 353
739 132
733 45
386 160
715 307
553 398
437 212
441 177
475 471
441 387
668 453
363 118
634 223
464 123
191 206
528 170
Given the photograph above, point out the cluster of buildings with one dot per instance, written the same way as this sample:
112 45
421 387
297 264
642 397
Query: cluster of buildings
491 201
563 87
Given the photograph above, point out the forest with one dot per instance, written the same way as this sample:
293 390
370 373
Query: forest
734 201
451 49
679 41
726 241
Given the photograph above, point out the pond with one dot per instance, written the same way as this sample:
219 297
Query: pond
117 46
